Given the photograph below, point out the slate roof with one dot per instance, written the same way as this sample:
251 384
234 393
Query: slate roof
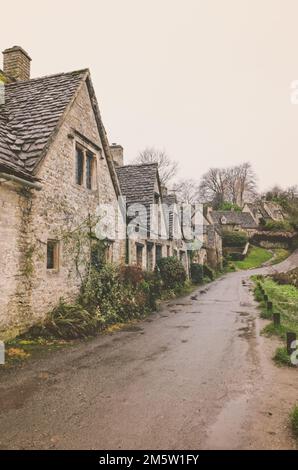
258 207
244 219
29 116
137 182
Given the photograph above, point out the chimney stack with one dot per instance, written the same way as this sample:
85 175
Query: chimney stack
16 64
117 154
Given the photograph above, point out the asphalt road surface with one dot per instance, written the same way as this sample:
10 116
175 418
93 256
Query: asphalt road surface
191 376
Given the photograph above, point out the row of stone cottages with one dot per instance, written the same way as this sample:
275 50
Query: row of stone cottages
56 166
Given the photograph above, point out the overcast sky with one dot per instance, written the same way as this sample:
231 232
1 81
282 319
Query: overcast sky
206 80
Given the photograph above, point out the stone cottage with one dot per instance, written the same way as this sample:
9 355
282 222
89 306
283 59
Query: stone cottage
264 211
154 213
232 220
56 166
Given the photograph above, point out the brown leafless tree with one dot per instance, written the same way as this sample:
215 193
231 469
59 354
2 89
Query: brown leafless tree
234 184
187 190
167 168
213 186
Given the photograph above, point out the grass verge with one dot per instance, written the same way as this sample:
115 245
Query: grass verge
255 258
294 420
285 302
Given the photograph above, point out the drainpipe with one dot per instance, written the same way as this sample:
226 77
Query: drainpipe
21 181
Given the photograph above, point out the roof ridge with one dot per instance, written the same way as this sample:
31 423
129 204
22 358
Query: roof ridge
137 165
74 72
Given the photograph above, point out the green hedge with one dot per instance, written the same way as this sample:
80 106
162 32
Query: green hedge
172 272
197 273
234 239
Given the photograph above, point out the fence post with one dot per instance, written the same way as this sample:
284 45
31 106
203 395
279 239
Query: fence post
276 319
291 337
269 306
2 353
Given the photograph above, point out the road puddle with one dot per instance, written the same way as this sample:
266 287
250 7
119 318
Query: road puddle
225 433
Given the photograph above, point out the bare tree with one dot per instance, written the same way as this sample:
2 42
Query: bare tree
233 184
241 183
214 186
167 168
187 190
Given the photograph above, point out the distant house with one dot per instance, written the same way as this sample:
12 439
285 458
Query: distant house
210 240
232 220
141 187
264 211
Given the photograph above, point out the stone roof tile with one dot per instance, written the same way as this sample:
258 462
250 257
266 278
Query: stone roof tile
30 114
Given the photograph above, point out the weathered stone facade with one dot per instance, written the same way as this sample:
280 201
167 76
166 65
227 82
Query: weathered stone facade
59 211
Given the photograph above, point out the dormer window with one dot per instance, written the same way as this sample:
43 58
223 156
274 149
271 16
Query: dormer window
85 167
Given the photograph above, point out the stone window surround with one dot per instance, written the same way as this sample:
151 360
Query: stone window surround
139 254
86 149
56 255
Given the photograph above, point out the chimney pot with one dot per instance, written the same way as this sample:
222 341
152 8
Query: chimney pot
117 154
16 64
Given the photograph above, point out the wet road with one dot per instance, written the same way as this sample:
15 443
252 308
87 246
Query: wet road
187 377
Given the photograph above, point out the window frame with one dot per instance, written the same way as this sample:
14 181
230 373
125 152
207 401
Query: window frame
56 255
89 167
139 252
79 148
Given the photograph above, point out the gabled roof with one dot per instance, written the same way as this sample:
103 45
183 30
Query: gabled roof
258 207
32 114
244 219
137 182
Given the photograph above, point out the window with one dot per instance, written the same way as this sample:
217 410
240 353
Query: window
85 167
90 170
140 256
168 251
52 254
158 253
149 257
79 166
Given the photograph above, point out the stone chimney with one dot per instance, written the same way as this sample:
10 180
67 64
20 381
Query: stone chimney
117 154
16 64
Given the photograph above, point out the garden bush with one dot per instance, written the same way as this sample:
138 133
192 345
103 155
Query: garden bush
234 239
197 273
133 275
236 256
172 272
68 321
208 272
291 277
278 225
109 295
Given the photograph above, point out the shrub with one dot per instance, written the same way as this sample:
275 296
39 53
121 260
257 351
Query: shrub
281 357
172 272
278 225
197 273
232 238
132 275
153 287
236 256
228 206
208 272
99 285
290 277
68 321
